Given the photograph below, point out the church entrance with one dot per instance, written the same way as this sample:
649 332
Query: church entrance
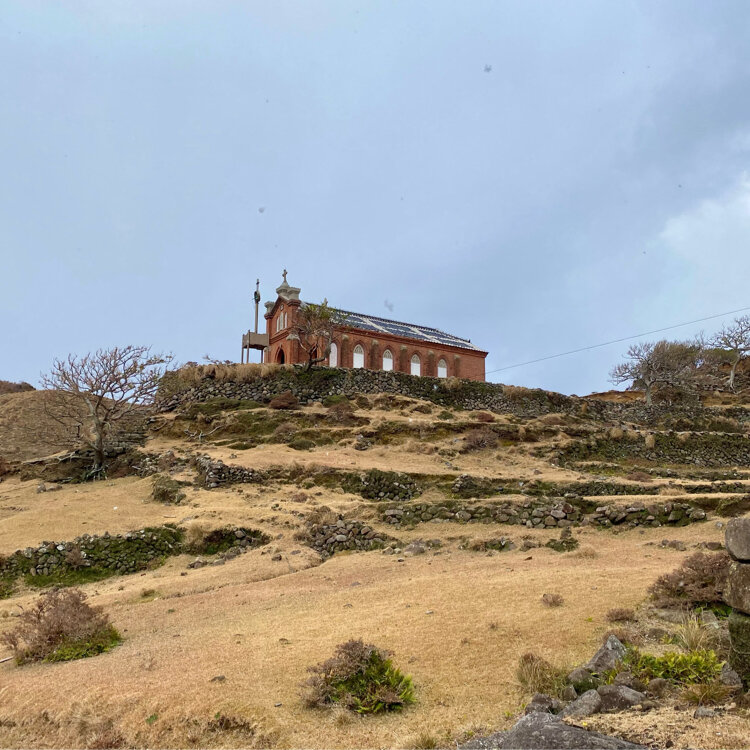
280 356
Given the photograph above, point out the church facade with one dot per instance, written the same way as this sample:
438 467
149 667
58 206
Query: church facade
366 341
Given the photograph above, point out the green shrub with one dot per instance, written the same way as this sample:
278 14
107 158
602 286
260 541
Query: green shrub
164 489
361 678
445 415
60 626
696 666
335 399
302 444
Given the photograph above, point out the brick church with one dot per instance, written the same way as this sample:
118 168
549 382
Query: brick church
365 341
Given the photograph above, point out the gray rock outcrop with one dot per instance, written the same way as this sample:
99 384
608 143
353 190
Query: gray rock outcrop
543 731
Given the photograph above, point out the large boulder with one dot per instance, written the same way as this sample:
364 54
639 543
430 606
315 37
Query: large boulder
585 705
606 658
543 702
543 731
618 697
739 648
737 539
582 680
737 589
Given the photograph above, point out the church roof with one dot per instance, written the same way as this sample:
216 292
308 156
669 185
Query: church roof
407 330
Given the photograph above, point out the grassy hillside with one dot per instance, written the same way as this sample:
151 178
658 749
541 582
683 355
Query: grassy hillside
214 655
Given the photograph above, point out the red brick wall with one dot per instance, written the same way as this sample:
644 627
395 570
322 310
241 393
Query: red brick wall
462 363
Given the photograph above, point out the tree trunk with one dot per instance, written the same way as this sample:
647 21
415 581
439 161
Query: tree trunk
648 395
731 374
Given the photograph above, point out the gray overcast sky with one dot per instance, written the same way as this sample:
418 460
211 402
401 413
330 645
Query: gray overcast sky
593 184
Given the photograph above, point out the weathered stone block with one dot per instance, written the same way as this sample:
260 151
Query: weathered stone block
739 649
737 539
737 591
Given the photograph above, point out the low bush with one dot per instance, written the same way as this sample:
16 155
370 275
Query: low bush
700 580
620 614
484 416
6 386
337 398
476 440
164 489
284 432
341 412
301 444
60 626
445 415
552 600
685 669
536 675
693 635
361 678
285 400
706 693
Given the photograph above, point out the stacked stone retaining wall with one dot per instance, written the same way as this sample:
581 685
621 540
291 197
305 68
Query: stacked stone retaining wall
315 385
542 514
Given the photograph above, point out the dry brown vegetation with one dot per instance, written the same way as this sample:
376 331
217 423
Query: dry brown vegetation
260 620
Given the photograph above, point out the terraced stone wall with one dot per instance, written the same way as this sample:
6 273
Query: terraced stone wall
120 554
315 385
542 514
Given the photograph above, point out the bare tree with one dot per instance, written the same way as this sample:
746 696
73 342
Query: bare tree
100 389
313 328
665 363
733 341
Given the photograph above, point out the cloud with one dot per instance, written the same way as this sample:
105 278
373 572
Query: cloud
709 246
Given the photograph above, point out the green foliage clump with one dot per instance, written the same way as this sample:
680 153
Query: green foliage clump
359 677
166 490
60 626
334 399
302 444
685 669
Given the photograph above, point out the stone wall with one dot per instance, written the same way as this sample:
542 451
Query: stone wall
542 514
124 553
737 595
327 539
700 449
215 473
321 382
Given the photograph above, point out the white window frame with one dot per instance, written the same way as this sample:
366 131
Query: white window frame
358 357
416 365
333 356
388 360
442 368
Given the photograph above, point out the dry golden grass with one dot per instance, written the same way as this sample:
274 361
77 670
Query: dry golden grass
261 622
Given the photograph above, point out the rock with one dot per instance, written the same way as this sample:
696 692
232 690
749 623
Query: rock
629 680
542 731
675 616
582 680
730 678
737 539
569 693
709 619
657 687
587 704
544 703
737 590
739 645
618 697
606 658
703 712
219 678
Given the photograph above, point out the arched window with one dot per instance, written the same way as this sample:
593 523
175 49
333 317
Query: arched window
442 369
359 357
387 360
333 356
416 365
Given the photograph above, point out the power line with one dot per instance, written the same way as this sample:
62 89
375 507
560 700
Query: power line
617 341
